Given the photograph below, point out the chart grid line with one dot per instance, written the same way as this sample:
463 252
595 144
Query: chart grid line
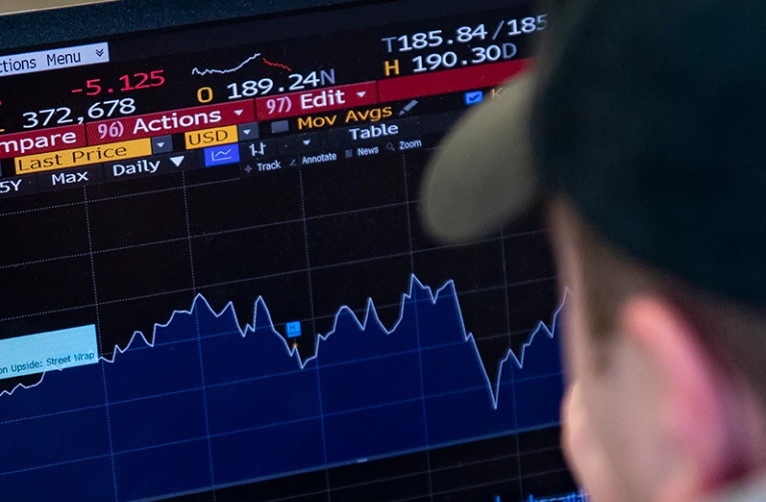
97 308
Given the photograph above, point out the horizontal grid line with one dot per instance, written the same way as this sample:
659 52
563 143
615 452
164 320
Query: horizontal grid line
490 483
116 197
207 235
190 390
250 279
134 194
203 235
357 312
422 473
340 487
205 437
43 261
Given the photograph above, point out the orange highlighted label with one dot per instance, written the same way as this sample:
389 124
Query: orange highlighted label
211 137
83 156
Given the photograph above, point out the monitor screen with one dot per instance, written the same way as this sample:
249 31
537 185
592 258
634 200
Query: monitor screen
214 284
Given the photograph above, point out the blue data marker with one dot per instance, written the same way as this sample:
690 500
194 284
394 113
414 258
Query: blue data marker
474 97
221 155
294 330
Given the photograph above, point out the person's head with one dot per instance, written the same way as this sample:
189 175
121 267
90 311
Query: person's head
670 380
646 137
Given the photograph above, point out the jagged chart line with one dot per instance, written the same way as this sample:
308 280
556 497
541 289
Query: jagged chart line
209 71
258 422
369 314
580 496
277 65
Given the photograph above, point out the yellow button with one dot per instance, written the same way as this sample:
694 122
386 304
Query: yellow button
211 137
83 156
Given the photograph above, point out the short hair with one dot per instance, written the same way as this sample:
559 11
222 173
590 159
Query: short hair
734 334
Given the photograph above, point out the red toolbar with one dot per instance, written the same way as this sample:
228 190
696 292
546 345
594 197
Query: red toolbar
320 100
172 122
43 141
463 79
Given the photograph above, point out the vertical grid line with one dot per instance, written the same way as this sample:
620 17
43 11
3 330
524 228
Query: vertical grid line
510 347
417 327
314 329
107 409
187 217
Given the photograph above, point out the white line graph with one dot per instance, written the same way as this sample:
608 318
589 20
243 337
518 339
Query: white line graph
370 314
212 71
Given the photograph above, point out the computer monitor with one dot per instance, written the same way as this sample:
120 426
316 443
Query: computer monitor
214 284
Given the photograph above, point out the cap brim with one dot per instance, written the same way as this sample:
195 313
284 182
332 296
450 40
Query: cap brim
483 176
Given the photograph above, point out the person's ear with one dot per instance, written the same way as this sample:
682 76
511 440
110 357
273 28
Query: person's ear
693 397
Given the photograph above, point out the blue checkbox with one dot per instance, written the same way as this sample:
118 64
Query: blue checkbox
474 97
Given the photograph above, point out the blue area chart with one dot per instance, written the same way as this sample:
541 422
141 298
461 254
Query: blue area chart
205 402
580 496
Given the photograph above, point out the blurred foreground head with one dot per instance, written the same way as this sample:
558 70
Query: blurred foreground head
643 128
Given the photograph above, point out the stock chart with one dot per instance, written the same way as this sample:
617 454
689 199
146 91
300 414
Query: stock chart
215 285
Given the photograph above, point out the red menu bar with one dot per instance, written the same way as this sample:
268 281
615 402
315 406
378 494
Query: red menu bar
463 79
44 141
172 122
266 108
320 100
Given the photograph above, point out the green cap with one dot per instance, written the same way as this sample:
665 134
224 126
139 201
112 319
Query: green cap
650 117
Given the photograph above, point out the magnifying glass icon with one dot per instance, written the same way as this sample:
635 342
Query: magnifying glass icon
390 147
